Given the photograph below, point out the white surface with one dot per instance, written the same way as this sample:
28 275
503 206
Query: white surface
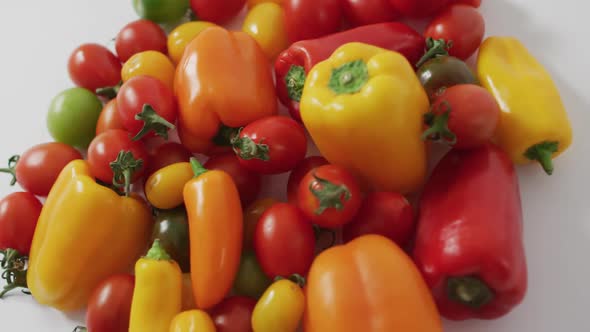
38 36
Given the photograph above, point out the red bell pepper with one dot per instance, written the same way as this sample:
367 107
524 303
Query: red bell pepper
469 244
293 64
367 12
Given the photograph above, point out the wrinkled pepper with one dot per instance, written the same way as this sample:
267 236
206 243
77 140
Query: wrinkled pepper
223 78
469 244
534 125
364 109
192 321
86 232
215 217
157 296
293 64
371 285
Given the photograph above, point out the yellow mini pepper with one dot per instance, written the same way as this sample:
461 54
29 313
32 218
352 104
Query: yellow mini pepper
157 296
192 321
280 309
364 109
163 189
534 125
86 232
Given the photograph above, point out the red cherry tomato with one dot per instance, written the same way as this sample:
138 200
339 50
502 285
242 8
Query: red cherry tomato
145 90
474 3
384 213
419 8
167 154
367 12
104 149
467 114
93 66
109 118
329 196
233 314
284 241
271 145
109 306
461 24
19 212
218 11
311 19
299 172
140 36
248 182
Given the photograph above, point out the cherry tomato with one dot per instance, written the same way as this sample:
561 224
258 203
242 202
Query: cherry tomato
271 145
233 314
139 36
109 118
19 212
104 149
444 72
252 3
465 116
167 154
311 19
250 279
460 24
384 213
368 12
248 182
329 196
150 63
182 35
109 306
218 11
171 227
419 8
158 118
280 308
284 241
93 66
251 216
266 24
308 164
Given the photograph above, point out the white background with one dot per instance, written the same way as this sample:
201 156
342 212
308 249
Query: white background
38 36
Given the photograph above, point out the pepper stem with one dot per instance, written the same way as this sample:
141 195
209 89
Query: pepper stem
295 80
329 194
109 92
197 167
296 278
247 149
123 169
469 291
349 78
438 126
543 153
434 48
11 169
157 252
15 271
152 121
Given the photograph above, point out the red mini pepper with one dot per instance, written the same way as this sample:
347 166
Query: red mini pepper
469 245
293 64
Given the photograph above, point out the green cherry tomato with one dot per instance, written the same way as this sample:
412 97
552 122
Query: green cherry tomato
250 280
161 11
444 72
171 228
73 115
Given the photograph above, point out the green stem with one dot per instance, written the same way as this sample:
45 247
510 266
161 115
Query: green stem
197 167
295 81
329 194
11 168
152 121
438 124
469 291
296 278
349 78
109 92
157 252
80 329
247 149
543 153
123 169
15 271
434 48
225 135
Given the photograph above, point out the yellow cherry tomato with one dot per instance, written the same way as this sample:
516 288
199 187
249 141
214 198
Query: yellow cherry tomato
265 23
252 3
192 321
182 35
280 308
163 189
150 63
251 216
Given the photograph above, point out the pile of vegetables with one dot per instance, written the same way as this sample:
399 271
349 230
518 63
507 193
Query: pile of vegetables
146 209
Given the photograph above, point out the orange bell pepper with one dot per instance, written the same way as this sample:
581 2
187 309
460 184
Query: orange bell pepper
369 285
223 78
215 229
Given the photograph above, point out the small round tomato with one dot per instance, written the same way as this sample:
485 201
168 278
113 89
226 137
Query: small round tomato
234 314
419 8
384 213
164 188
312 19
109 306
161 11
150 100
104 150
109 118
218 11
251 216
167 154
329 196
74 106
266 24
367 12
139 36
182 35
444 72
465 116
171 227
93 66
460 24
271 145
250 279
19 213
284 241
247 182
150 63
308 164
280 308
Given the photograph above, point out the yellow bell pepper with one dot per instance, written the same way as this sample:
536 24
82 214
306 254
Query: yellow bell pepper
86 232
534 125
192 321
364 109
163 189
157 296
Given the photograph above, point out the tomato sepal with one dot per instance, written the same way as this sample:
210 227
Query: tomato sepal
14 266
123 168
11 169
434 48
152 121
329 195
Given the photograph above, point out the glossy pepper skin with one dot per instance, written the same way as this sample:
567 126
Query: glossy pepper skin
223 78
157 296
469 244
215 231
97 232
280 308
381 290
163 189
534 125
293 64
364 109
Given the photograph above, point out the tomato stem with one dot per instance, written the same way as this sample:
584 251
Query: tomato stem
247 149
11 168
197 167
329 195
152 121
439 125
294 81
15 271
109 92
434 48
80 329
123 169
469 291
543 153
